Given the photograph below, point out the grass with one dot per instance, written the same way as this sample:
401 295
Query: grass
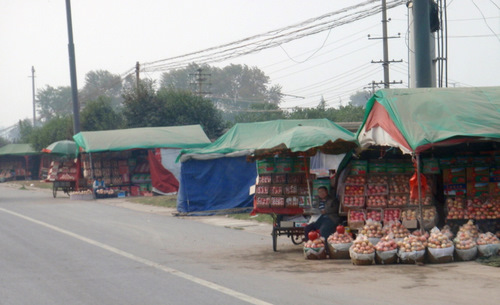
169 201
36 183
266 218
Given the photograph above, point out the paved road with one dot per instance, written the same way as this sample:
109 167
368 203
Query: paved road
58 251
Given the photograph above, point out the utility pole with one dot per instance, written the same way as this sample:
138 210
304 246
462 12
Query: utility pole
137 72
200 79
72 68
385 42
422 31
33 90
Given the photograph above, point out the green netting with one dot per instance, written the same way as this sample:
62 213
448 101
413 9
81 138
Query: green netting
18 149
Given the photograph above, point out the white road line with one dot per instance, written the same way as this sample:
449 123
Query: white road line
147 262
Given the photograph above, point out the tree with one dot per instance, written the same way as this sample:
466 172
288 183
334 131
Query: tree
54 102
140 106
101 83
100 115
260 112
3 141
26 130
360 98
59 128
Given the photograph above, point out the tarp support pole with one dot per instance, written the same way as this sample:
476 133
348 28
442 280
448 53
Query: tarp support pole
419 182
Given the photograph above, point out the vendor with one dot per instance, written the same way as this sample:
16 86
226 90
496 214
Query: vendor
98 184
326 217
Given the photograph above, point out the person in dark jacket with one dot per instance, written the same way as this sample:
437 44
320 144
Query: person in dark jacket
325 215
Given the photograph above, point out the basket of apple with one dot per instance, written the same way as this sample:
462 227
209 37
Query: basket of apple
362 251
471 228
440 247
411 250
338 245
446 230
386 250
465 246
372 230
396 229
487 244
421 236
315 249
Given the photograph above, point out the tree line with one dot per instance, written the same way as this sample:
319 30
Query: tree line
237 93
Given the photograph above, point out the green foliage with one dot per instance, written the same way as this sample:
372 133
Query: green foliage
100 115
101 84
25 130
360 98
260 112
59 128
52 102
3 141
140 106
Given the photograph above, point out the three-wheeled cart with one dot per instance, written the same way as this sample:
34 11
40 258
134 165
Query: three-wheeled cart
65 186
286 228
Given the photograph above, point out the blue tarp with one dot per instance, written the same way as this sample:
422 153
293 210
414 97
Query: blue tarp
216 184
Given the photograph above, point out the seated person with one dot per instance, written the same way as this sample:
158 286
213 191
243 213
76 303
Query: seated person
98 184
327 218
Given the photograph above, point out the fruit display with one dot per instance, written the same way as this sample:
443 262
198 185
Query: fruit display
376 201
488 244
354 190
362 251
378 179
82 192
354 201
356 218
422 236
465 246
386 250
372 229
339 244
386 243
391 215
398 200
265 179
409 214
315 249
375 215
376 189
399 184
426 200
396 229
469 228
440 247
446 230
411 250
359 180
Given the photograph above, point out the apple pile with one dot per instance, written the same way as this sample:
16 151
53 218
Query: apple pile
362 246
354 201
82 192
400 184
464 240
422 237
315 244
392 214
470 228
337 238
359 180
429 214
446 230
438 240
375 215
378 179
398 200
376 201
376 189
265 179
386 243
372 229
455 202
411 244
487 238
356 216
352 190
397 229
427 200
409 214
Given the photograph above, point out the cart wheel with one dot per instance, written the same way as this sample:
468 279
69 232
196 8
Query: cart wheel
66 191
296 239
275 239
54 191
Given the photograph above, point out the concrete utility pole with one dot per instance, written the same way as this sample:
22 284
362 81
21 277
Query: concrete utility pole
72 69
422 31
137 74
200 79
385 42
33 90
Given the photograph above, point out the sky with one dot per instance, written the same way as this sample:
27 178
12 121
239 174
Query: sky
113 35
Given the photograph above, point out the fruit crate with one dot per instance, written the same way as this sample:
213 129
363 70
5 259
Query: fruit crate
356 219
353 201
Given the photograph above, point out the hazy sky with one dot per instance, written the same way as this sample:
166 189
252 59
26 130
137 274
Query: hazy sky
113 34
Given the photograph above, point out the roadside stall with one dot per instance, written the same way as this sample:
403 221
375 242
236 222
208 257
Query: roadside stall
285 187
18 162
63 170
429 158
136 161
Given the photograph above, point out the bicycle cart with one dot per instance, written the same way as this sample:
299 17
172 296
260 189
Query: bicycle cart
286 228
65 186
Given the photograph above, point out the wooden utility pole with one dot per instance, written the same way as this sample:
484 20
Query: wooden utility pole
33 91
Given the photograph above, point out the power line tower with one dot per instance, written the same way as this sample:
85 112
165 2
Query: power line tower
385 39
200 83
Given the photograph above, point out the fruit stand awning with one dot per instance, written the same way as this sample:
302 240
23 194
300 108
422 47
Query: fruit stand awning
18 150
189 136
416 119
243 138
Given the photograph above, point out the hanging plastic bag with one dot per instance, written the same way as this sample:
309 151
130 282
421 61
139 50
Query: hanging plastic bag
414 185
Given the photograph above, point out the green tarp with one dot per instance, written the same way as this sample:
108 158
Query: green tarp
18 150
250 136
425 116
189 136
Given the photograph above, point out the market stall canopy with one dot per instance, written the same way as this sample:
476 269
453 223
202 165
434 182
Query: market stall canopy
416 119
64 147
189 136
18 150
243 138
309 139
